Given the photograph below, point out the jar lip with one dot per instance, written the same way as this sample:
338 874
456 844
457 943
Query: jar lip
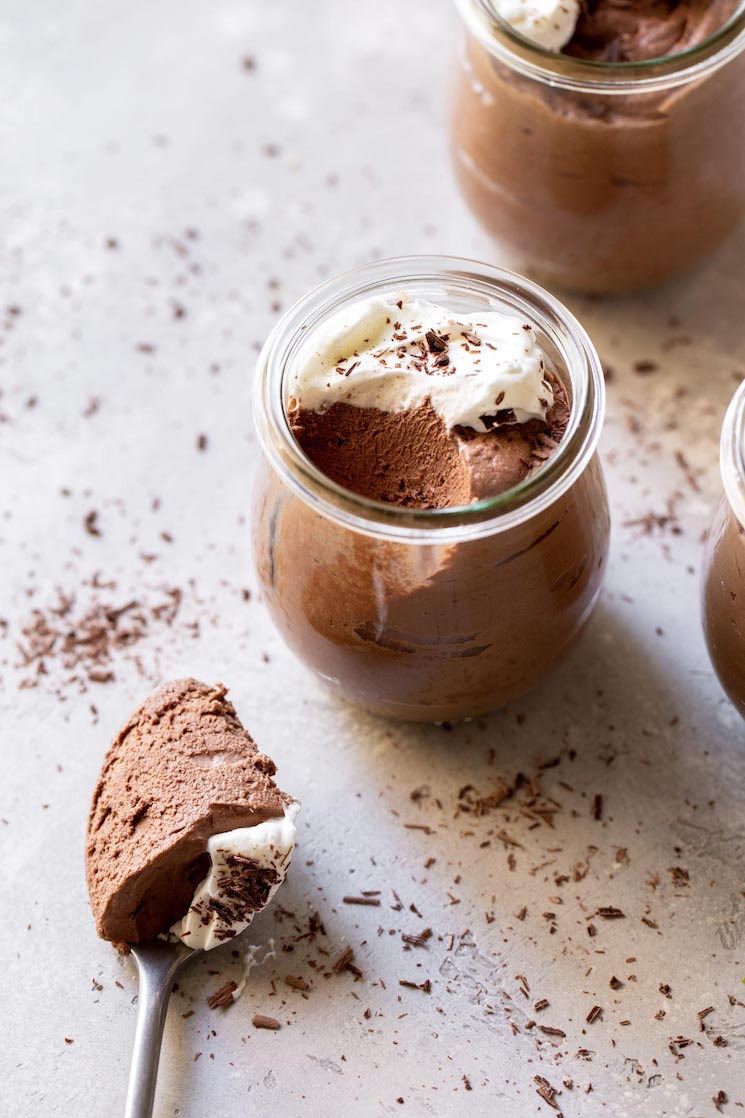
609 78
732 454
486 517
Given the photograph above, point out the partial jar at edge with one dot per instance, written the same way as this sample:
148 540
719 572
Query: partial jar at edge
723 581
598 178
433 615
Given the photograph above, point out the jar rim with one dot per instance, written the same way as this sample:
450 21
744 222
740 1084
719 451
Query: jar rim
467 277
584 75
732 454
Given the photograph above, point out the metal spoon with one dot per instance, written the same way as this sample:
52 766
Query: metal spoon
158 962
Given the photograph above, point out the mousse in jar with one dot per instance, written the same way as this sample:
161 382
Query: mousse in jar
431 523
602 143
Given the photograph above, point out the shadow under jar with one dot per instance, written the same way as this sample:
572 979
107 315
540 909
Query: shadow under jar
432 614
723 583
599 176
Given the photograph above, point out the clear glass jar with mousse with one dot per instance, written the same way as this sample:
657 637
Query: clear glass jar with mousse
599 176
723 581
432 614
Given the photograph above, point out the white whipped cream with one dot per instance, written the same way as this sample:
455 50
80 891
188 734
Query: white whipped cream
379 354
268 846
548 23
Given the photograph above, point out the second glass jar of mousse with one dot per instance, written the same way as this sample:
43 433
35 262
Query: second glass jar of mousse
432 614
723 585
598 175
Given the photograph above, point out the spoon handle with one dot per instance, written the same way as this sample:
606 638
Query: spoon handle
157 965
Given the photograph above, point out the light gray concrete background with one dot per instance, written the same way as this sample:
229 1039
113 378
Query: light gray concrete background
139 122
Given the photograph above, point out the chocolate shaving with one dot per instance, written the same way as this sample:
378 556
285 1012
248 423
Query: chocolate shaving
425 987
223 997
435 342
343 960
417 940
546 1091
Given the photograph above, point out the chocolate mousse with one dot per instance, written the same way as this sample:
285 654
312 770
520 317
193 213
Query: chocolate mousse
427 410
184 792
410 458
592 176
640 30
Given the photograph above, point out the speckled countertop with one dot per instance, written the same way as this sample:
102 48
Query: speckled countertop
173 175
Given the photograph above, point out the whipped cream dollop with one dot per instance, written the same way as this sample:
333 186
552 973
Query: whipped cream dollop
394 354
248 866
548 23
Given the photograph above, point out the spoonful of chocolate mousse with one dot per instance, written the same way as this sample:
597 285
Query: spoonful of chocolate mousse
188 838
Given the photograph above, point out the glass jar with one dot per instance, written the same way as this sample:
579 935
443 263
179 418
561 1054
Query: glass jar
599 176
723 583
432 614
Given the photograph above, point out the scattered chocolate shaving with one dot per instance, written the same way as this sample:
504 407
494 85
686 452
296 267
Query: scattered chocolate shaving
83 644
546 1091
425 987
371 901
296 983
680 876
223 997
259 1021
417 940
343 960
594 1013
90 523
609 912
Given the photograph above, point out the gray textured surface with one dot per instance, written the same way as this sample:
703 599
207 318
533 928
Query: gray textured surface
138 122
